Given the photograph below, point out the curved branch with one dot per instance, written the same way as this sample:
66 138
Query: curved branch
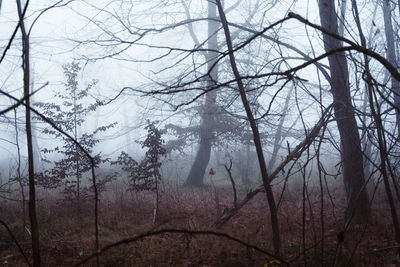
353 45
46 9
181 231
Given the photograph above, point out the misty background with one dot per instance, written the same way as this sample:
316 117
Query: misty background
240 97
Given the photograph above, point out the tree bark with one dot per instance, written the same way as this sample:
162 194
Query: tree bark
342 16
197 171
358 207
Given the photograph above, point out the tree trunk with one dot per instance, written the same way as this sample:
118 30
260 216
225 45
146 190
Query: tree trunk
18 172
247 163
35 144
366 144
391 56
256 135
358 207
197 171
342 17
31 173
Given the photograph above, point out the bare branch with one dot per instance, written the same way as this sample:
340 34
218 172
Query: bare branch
353 45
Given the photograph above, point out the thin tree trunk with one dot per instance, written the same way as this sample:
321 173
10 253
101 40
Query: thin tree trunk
380 130
247 162
32 196
391 56
256 134
77 170
353 171
35 144
365 142
278 134
18 174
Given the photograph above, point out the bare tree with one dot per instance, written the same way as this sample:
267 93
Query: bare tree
28 127
256 134
353 171
197 171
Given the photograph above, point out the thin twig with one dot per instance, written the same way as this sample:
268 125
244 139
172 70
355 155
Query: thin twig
232 182
16 242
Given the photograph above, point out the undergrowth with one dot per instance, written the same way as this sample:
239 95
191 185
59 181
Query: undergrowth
66 239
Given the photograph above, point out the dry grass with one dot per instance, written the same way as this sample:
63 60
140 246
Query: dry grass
66 238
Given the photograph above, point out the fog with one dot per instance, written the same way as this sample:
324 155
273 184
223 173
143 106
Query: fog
155 118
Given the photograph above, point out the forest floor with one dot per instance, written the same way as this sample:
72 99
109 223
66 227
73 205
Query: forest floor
309 235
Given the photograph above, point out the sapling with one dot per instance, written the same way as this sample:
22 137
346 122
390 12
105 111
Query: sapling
146 175
69 110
